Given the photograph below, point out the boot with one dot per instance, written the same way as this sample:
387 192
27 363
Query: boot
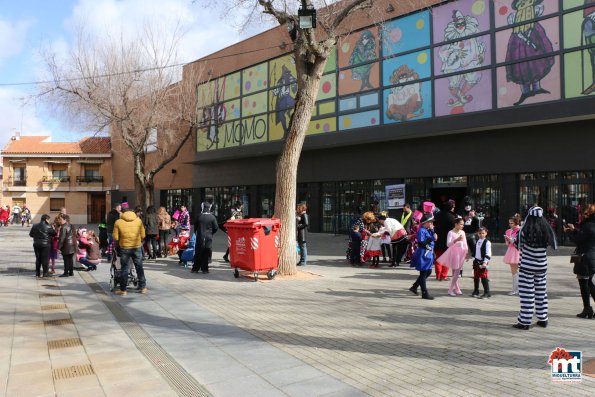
515 285
426 295
587 309
486 288
475 293
586 313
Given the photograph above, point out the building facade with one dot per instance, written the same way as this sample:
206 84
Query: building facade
488 100
46 176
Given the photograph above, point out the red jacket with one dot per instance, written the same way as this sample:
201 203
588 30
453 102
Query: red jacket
4 214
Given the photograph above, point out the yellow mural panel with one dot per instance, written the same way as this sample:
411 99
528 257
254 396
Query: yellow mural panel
205 94
230 86
322 126
254 129
255 78
254 104
327 107
230 134
328 87
279 66
206 139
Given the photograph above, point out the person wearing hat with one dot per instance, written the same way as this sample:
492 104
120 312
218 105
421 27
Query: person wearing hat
535 236
129 233
205 226
423 258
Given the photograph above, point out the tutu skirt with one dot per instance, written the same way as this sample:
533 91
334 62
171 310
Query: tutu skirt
453 257
511 256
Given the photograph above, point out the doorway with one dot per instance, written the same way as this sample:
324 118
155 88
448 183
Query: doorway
440 195
96 209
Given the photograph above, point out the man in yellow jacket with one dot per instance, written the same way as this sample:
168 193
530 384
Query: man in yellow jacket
129 233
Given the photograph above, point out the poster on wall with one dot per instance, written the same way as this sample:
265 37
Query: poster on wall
395 196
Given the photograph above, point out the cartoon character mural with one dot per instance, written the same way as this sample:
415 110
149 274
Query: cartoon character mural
364 51
462 55
528 40
212 117
588 30
404 102
284 97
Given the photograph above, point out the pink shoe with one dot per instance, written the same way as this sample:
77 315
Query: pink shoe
459 292
451 293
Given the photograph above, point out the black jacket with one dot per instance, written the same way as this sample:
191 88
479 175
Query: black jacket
584 237
152 224
302 227
443 223
42 234
67 242
111 219
205 225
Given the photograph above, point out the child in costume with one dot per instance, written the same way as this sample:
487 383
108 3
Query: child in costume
512 255
482 253
455 255
374 249
423 258
356 240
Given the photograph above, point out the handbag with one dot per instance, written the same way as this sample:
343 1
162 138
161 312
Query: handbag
576 257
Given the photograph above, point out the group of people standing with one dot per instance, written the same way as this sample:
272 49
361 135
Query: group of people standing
16 215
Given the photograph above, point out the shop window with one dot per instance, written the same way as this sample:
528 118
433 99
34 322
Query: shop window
56 204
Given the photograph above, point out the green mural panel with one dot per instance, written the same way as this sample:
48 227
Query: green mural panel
230 86
255 79
328 87
331 64
579 73
254 104
568 4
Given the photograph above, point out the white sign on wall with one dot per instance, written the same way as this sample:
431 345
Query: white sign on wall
395 196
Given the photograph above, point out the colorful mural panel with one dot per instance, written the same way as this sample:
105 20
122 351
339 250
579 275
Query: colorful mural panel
243 132
322 126
206 139
229 86
408 102
528 82
326 107
531 40
230 110
328 87
282 98
579 73
568 4
205 94
254 104
255 78
579 27
360 78
405 34
462 55
508 12
276 129
331 63
280 69
358 48
359 120
459 19
406 68
463 93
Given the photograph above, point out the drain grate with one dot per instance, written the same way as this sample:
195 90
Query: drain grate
60 321
49 294
178 378
63 343
73 372
54 307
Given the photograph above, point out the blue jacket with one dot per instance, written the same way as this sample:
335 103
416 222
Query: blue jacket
423 258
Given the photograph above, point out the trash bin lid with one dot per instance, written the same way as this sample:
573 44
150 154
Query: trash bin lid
252 223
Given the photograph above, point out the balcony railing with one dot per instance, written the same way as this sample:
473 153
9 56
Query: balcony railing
89 179
19 182
50 180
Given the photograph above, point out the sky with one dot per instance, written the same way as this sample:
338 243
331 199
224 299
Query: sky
26 26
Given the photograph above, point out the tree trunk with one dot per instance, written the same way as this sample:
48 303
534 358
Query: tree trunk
287 166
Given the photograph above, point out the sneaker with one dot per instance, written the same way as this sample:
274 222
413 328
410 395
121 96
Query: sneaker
485 296
143 290
452 293
120 292
513 293
474 295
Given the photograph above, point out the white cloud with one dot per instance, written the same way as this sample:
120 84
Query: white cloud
19 113
12 37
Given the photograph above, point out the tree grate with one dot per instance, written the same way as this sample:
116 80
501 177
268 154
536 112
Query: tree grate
54 306
60 321
73 372
50 294
63 343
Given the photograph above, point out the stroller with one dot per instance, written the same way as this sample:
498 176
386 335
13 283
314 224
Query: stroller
115 270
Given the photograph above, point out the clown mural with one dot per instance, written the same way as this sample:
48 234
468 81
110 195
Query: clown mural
404 102
462 55
528 40
365 50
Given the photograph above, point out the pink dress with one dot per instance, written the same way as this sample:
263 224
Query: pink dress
455 255
512 253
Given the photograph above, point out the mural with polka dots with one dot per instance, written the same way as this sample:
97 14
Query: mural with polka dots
459 57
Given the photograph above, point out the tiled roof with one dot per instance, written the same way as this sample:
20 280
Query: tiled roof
41 145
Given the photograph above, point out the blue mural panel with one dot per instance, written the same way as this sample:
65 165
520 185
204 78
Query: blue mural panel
406 34
359 120
406 68
408 102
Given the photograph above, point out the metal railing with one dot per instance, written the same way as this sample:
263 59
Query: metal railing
55 179
89 179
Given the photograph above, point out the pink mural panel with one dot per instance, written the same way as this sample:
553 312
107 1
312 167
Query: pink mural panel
505 11
460 19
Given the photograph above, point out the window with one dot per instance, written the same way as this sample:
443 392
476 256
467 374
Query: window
19 174
92 171
151 143
57 203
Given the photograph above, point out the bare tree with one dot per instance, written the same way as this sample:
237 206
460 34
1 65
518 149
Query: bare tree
132 88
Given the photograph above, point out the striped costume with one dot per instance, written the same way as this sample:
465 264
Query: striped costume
532 284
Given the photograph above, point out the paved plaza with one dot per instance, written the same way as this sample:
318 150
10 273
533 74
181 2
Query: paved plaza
334 331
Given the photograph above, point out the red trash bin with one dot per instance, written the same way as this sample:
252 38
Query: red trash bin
254 245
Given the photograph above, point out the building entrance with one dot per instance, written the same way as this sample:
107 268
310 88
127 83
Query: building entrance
440 195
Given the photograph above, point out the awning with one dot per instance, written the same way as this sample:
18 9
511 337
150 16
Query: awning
57 161
18 160
90 161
